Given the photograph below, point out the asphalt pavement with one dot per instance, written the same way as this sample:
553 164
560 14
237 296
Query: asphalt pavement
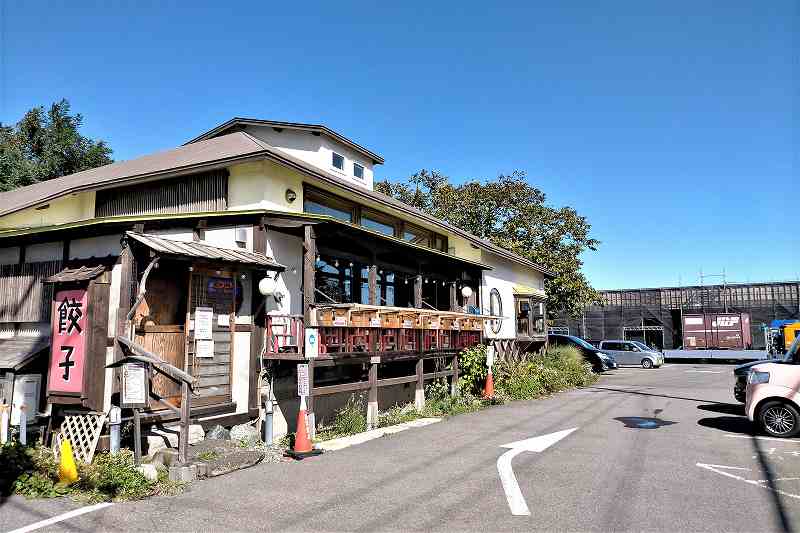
654 450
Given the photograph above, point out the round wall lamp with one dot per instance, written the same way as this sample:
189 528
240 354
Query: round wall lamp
466 291
266 286
291 196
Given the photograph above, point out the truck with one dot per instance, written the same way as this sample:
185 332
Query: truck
717 331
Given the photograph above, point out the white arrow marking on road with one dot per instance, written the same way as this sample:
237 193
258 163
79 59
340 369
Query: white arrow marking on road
536 444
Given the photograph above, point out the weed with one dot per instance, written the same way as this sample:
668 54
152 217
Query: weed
208 455
348 420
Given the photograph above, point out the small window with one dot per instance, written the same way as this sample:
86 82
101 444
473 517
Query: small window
358 171
337 161
416 236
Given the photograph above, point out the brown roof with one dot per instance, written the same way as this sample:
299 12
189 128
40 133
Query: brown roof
213 153
238 122
16 352
200 250
81 273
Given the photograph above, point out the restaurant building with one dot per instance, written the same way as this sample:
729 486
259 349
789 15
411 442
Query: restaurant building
174 251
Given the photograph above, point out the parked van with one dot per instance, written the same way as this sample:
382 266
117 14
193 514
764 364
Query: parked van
633 353
773 394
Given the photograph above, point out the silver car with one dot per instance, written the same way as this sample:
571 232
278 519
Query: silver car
633 353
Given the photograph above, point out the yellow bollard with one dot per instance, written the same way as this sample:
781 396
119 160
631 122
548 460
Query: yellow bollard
67 471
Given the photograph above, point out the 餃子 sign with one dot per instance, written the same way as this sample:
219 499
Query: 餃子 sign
68 352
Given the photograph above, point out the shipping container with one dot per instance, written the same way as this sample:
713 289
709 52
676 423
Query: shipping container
721 331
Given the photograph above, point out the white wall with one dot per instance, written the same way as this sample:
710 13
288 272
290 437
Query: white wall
46 251
288 251
95 247
317 150
503 276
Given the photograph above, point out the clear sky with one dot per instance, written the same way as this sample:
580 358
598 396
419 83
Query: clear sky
672 126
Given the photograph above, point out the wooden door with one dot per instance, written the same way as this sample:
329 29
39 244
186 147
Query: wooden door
167 342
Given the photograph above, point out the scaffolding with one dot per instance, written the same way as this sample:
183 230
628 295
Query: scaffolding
655 314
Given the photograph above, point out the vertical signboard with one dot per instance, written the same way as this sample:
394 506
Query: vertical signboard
68 352
302 380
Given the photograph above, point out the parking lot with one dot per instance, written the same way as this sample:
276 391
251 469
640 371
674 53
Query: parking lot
666 449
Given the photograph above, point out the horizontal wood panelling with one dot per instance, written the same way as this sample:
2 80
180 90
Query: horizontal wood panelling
189 194
23 296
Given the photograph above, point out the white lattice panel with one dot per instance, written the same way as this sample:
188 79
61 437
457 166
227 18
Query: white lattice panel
83 432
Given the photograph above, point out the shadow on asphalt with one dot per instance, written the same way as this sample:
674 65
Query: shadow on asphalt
728 424
724 408
640 393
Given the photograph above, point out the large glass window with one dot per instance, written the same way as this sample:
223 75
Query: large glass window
334 278
373 223
416 235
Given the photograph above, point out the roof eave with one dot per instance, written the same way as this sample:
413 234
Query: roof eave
319 128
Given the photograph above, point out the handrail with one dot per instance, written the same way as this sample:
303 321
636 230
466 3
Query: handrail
139 353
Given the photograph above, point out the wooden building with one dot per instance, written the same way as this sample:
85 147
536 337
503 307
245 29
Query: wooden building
138 248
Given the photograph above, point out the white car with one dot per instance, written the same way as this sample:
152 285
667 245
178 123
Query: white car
633 353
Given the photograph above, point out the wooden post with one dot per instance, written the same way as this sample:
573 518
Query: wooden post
453 297
454 378
309 271
310 417
418 291
373 285
419 393
137 436
372 404
183 443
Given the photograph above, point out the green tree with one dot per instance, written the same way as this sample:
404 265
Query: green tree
46 144
513 214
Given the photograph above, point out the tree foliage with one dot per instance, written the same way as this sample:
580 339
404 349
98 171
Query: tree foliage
513 214
46 144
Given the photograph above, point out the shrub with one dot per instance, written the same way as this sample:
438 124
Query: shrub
558 369
115 477
397 415
439 402
472 369
348 420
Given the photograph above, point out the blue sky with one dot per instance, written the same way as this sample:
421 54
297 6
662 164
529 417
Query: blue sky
672 126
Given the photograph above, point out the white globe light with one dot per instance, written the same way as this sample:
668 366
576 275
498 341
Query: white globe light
466 291
266 286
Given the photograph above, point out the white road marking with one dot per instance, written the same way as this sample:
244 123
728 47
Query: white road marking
717 469
785 441
61 518
516 501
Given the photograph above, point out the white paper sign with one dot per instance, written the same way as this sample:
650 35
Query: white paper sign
302 380
311 343
340 321
408 324
203 322
489 356
374 322
204 349
134 384
224 320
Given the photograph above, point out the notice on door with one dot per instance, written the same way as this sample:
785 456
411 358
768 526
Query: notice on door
203 323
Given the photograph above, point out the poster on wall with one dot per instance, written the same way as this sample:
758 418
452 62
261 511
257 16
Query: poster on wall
204 349
68 349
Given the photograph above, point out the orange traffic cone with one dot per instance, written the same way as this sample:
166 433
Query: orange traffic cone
302 444
488 391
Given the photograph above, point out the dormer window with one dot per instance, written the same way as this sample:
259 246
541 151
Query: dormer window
337 161
358 171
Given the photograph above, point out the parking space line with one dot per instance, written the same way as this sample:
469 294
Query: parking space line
61 518
785 441
719 470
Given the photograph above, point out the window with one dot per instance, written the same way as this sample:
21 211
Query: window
337 161
523 317
495 309
321 204
358 171
377 223
416 235
334 278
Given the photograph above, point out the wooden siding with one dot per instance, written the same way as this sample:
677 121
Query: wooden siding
23 296
190 194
